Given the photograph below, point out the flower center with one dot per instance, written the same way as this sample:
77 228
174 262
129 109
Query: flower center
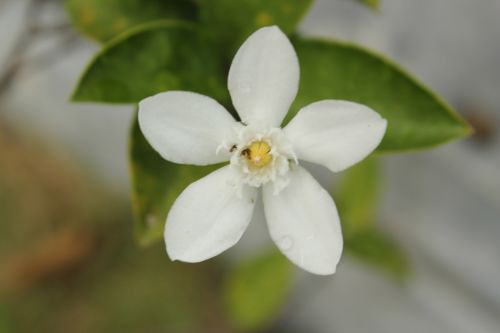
258 154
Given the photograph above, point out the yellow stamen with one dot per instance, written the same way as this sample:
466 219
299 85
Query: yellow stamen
258 154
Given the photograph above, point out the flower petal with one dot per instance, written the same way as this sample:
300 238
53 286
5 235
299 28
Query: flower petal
264 77
304 223
185 127
208 217
336 134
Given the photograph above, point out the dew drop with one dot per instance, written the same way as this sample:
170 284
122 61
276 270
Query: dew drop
285 243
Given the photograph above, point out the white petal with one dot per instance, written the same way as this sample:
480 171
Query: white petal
185 127
304 223
336 134
264 77
208 217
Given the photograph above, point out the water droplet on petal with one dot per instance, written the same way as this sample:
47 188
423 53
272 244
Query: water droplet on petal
285 243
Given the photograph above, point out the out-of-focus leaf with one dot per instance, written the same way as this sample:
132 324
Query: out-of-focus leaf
256 289
156 184
153 58
104 19
231 22
378 250
160 296
373 4
358 194
357 199
4 321
416 117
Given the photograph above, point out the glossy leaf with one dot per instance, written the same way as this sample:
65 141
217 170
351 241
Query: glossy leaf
255 290
416 117
357 200
231 22
104 19
153 58
156 184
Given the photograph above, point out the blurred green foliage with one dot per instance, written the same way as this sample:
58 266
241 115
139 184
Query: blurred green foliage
357 201
104 19
122 290
378 250
373 4
357 196
4 320
230 22
68 262
255 290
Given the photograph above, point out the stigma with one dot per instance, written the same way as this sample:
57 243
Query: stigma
258 154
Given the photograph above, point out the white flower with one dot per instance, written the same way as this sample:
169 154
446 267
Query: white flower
212 213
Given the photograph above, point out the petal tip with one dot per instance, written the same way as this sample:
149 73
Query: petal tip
269 27
324 272
176 257
274 29
169 251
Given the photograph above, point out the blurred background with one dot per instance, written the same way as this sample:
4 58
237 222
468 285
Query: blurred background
68 260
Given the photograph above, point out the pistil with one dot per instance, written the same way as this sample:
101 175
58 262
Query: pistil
258 154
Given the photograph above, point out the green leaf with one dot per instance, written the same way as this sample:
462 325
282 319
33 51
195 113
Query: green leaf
379 251
231 22
373 4
256 289
156 184
104 19
416 117
150 59
357 199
